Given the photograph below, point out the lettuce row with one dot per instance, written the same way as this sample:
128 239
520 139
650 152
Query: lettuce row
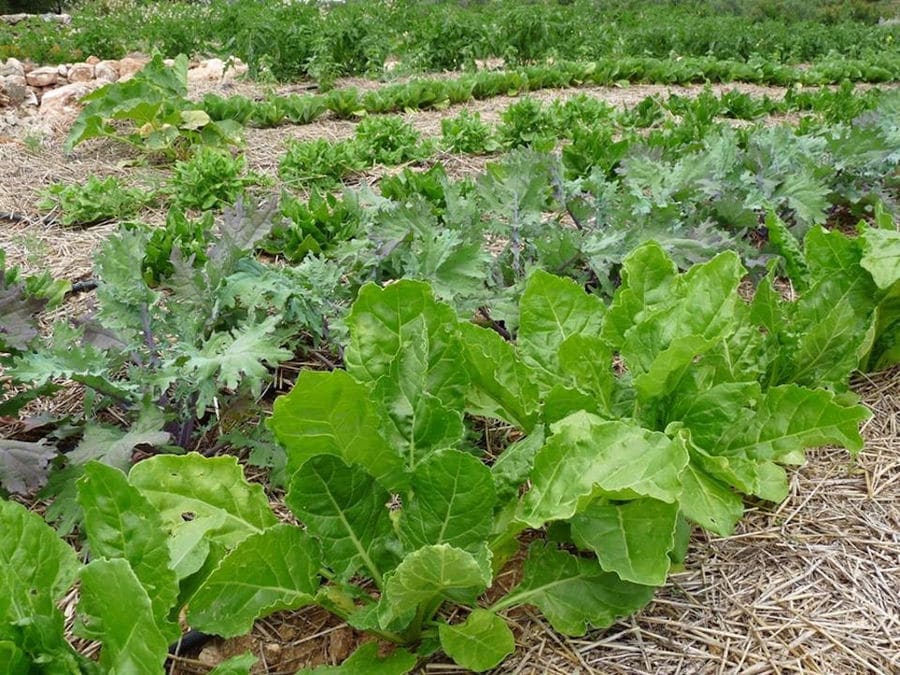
633 421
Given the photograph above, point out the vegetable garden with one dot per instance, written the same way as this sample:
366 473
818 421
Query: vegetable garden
454 338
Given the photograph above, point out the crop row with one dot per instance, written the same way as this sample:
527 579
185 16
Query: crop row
292 40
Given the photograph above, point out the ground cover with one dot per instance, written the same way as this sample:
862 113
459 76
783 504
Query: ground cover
824 308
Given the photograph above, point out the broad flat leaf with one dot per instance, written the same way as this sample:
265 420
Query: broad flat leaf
648 278
502 385
366 660
708 413
587 361
452 501
407 345
669 365
193 487
791 418
574 593
430 575
24 466
632 539
383 320
827 350
553 309
331 413
114 608
709 502
881 256
703 305
511 470
236 665
763 479
38 567
121 523
267 572
346 510
481 642
587 455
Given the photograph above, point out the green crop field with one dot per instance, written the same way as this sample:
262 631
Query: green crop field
449 336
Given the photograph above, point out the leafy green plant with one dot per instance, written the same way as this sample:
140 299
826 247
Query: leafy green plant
466 133
151 111
388 140
321 163
189 236
94 201
313 226
210 179
694 398
237 108
345 103
526 123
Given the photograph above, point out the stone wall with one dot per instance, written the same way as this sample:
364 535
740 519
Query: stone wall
45 87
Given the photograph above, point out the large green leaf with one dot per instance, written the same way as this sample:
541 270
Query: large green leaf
553 309
881 256
702 305
587 455
632 539
406 344
121 523
481 642
790 418
587 361
502 385
347 511
708 502
574 593
38 567
115 609
202 501
37 570
274 570
331 413
452 501
236 665
384 320
429 576
649 278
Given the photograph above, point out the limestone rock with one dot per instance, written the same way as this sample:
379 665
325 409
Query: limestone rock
62 70
67 96
12 67
106 71
14 88
93 60
81 72
43 77
129 66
